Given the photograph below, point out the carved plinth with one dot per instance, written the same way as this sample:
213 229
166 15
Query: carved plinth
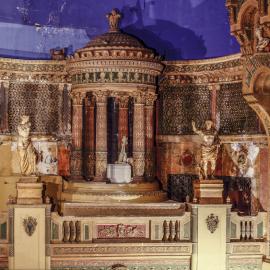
29 190
208 191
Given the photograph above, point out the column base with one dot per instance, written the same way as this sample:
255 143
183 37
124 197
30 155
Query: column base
208 191
99 179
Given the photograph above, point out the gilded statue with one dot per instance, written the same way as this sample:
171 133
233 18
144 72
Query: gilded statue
26 149
114 18
209 148
122 158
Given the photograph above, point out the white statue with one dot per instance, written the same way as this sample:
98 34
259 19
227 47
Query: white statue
263 42
122 158
26 149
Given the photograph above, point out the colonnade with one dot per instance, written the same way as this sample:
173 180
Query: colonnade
90 128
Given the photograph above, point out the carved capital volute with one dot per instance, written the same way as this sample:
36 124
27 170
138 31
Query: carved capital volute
150 99
77 98
123 101
213 87
139 98
101 97
61 86
90 101
6 84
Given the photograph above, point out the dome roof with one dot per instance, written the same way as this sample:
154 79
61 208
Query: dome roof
115 39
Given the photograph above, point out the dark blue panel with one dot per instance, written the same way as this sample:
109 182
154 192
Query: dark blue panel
177 29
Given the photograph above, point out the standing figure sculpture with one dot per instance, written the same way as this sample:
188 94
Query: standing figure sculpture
209 148
123 155
114 18
26 149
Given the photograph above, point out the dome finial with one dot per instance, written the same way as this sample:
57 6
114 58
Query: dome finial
114 18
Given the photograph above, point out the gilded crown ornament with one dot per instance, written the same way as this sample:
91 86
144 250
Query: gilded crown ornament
114 18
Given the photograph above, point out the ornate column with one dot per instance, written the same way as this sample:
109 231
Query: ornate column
89 166
123 119
149 136
101 135
4 86
77 126
138 138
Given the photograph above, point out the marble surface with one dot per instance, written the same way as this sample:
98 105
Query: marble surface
119 173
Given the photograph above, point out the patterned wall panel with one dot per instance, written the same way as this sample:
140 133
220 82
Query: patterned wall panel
236 117
180 105
42 102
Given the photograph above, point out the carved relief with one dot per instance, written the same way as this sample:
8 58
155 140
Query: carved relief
121 231
212 222
30 224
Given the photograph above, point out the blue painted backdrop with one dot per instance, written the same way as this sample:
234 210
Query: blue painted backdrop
177 29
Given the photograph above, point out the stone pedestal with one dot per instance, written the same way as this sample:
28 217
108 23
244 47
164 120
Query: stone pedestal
29 190
210 236
119 173
208 191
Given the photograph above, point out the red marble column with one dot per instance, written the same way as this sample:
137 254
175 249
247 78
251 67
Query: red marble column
149 137
122 119
138 138
101 136
214 88
89 137
77 126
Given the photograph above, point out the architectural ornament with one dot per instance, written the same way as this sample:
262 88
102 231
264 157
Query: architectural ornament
212 222
114 18
209 148
122 158
26 149
263 42
29 225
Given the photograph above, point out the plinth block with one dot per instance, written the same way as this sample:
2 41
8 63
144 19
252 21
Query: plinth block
29 190
208 191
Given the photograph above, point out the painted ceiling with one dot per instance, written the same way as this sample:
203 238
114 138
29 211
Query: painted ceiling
176 29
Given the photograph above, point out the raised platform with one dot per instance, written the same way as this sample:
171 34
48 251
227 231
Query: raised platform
101 192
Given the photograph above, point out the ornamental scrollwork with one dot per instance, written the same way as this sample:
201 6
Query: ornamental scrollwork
30 224
212 222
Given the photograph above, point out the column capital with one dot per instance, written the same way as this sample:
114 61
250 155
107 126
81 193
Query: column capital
6 84
150 99
139 98
123 101
90 101
100 96
77 97
213 87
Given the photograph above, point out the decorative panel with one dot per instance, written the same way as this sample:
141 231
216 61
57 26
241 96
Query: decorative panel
180 186
44 103
236 117
180 105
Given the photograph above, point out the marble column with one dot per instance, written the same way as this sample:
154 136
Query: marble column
77 126
123 119
4 86
101 136
89 168
138 138
149 136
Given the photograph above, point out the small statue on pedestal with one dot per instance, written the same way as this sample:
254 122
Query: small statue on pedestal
26 149
122 158
209 148
114 18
